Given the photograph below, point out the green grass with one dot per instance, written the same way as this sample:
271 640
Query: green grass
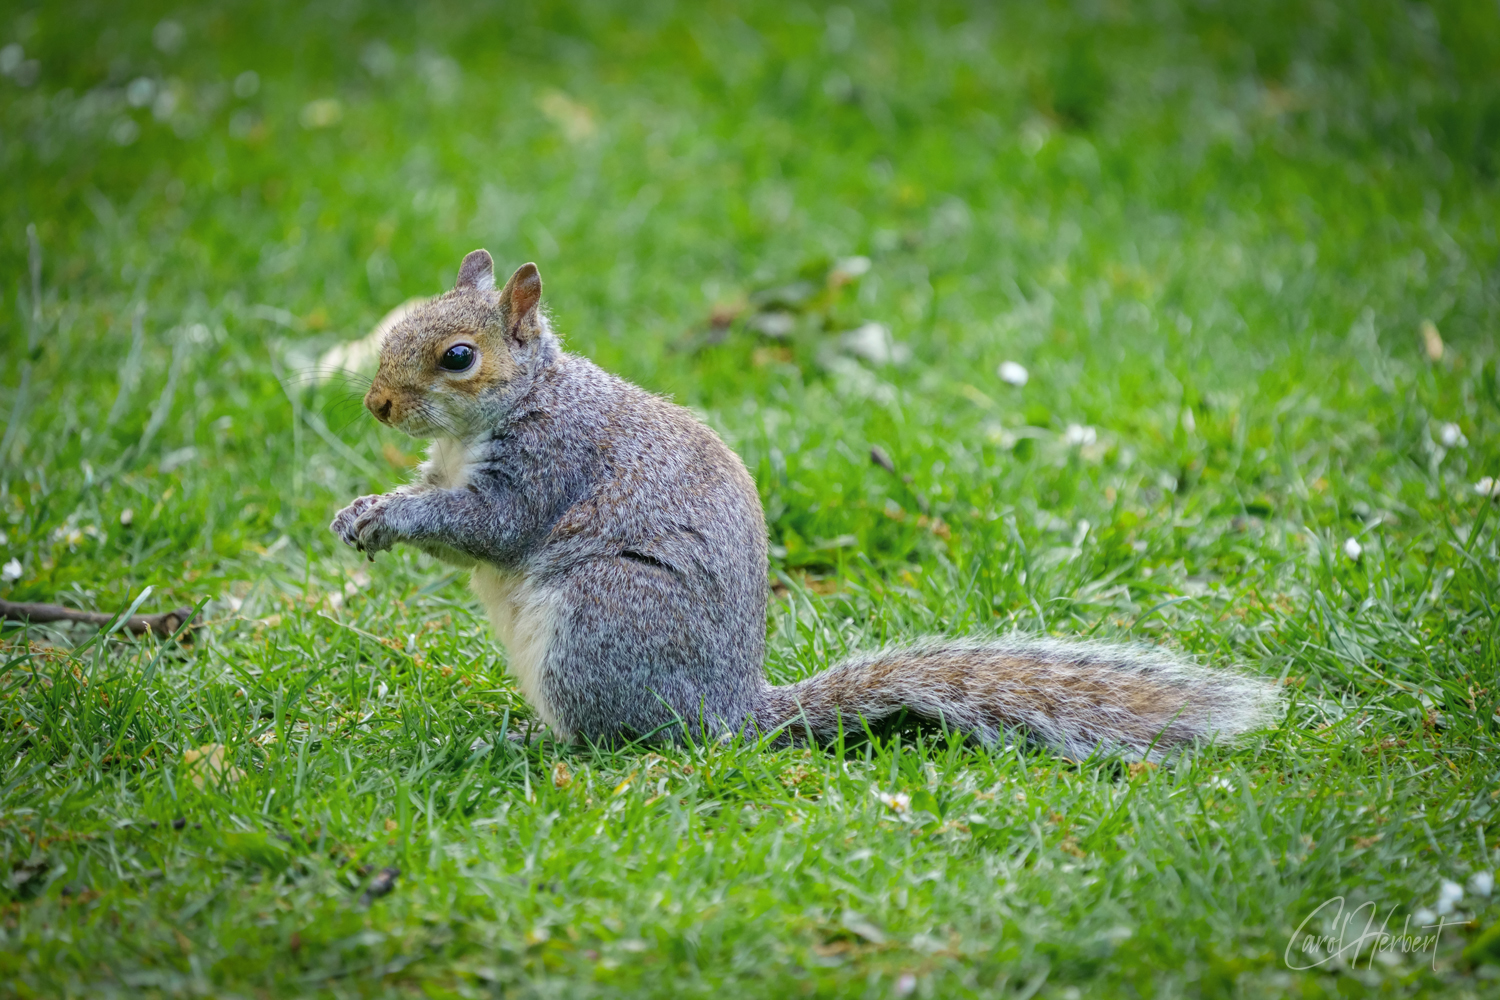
1211 232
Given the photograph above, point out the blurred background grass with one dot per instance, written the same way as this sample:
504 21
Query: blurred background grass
1211 233
1154 206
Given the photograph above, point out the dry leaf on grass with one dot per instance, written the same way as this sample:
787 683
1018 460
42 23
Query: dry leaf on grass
207 763
1432 341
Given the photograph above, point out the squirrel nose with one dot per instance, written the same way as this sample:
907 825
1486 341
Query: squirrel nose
379 403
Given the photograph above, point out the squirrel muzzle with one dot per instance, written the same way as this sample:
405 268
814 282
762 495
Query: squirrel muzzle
379 402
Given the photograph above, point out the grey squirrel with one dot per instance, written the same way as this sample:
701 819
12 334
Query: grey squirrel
619 549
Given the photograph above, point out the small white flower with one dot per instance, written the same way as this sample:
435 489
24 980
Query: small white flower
1353 549
127 517
898 801
1452 436
873 343
11 572
1013 373
1482 883
381 690
1078 434
777 323
1423 918
906 984
1450 894
851 267
1489 486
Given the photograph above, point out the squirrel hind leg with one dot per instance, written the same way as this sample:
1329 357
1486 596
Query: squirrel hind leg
635 659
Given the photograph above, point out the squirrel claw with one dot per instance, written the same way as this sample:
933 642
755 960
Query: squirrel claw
352 523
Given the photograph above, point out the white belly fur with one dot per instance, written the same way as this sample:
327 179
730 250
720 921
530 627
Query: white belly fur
447 465
522 616
524 620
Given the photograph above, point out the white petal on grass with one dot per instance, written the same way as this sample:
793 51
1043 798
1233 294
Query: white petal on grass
1489 486
849 268
11 572
1013 373
1079 435
776 324
1451 436
1353 549
873 343
1450 894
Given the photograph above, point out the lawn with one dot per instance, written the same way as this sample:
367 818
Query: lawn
1246 254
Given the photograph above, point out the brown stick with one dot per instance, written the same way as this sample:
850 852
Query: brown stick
164 624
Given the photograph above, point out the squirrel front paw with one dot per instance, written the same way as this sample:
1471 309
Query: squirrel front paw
372 531
358 524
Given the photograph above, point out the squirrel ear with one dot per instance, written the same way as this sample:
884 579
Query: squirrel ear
519 299
477 271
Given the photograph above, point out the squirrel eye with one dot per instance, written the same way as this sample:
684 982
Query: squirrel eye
458 358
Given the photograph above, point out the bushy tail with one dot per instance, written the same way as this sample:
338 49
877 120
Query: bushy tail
1077 697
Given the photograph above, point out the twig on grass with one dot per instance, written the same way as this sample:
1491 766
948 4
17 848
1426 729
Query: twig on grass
164 624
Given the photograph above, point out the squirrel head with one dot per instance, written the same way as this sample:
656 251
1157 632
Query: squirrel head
446 364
